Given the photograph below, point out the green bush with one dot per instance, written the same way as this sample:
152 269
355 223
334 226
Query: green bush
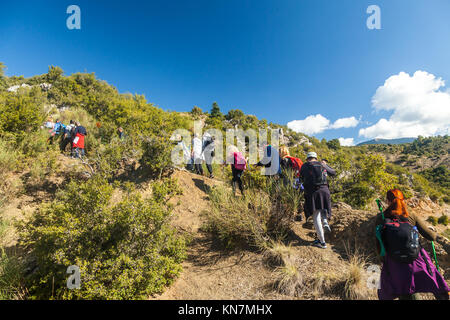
21 113
11 277
124 250
443 220
157 155
238 221
433 220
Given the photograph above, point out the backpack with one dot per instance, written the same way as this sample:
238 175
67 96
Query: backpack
317 175
239 161
296 164
400 239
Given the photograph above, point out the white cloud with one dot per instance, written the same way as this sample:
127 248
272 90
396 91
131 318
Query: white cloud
345 123
347 142
317 123
310 125
418 107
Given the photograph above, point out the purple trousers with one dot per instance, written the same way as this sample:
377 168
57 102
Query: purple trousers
398 279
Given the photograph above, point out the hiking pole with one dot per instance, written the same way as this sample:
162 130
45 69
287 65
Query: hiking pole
378 229
435 258
380 207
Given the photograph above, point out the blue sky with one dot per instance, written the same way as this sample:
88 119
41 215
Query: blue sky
281 60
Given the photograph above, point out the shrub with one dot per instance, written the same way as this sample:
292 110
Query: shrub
11 278
21 112
156 157
124 251
239 221
443 220
432 220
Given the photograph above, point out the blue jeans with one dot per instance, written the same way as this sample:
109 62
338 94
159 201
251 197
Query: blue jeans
77 153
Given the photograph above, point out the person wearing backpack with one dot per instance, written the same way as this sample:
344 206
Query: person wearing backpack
66 139
78 141
197 154
314 174
290 163
208 152
407 268
57 130
238 166
271 161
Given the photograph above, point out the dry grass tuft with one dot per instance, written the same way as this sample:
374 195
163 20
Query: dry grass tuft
289 280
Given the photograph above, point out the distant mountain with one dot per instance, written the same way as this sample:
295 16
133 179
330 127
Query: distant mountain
388 141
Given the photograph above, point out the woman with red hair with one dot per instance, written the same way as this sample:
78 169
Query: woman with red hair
403 280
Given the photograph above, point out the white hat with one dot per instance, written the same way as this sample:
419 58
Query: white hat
311 155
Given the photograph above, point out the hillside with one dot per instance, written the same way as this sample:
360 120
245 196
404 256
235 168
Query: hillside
140 227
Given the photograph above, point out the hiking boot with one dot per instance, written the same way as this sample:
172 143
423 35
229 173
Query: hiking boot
211 176
326 226
319 244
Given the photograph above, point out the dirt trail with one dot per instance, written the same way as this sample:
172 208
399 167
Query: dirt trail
210 272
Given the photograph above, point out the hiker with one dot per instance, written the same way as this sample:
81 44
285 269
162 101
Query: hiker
66 139
271 161
208 152
57 130
78 141
238 165
291 164
317 195
49 123
120 133
412 271
197 154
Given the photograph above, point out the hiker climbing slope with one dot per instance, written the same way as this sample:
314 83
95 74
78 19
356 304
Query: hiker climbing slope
67 138
270 161
78 140
208 152
238 165
407 268
317 194
197 154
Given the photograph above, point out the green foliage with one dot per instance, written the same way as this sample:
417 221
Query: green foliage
433 220
439 175
124 250
21 112
157 155
2 77
334 144
362 180
443 220
215 111
11 277
431 146
165 189
196 112
54 74
238 221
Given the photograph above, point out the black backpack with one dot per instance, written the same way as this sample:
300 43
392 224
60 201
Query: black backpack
317 175
400 239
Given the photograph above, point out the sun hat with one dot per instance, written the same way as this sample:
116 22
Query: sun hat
311 155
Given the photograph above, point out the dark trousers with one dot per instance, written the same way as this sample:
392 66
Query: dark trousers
209 167
64 143
237 179
209 160
198 168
